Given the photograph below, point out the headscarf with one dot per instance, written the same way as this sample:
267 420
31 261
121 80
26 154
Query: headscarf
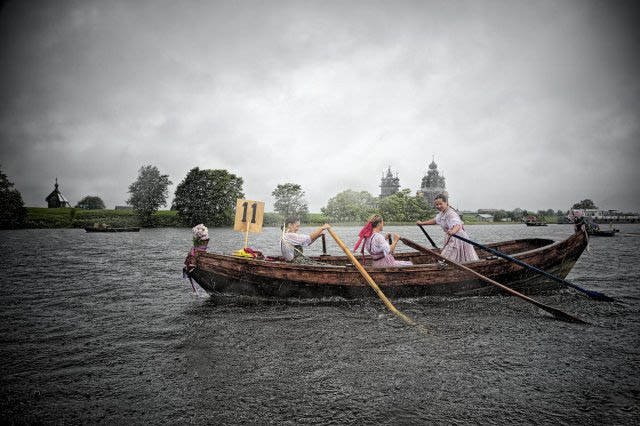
365 232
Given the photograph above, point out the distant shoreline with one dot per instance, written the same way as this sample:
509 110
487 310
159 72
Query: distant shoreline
44 218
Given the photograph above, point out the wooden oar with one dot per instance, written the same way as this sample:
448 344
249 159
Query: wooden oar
555 312
369 280
324 245
591 293
428 237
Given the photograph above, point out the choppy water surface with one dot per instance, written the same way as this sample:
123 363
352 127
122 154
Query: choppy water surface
102 328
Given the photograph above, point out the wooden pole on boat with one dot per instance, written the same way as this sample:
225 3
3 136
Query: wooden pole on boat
555 312
369 280
428 237
591 293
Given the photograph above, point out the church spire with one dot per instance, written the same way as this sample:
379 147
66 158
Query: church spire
389 184
433 183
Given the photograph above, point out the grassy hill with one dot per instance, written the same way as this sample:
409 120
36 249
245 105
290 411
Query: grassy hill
41 217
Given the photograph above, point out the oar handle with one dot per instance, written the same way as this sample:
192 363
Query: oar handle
593 294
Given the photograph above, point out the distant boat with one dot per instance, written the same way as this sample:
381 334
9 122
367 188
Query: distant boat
601 233
593 229
533 221
93 229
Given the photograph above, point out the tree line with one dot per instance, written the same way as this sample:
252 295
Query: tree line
209 196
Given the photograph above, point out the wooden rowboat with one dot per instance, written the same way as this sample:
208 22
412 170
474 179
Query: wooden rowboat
336 276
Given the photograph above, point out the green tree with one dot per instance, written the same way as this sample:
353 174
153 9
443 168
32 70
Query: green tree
585 204
148 193
208 196
517 214
90 202
12 211
403 207
290 201
350 206
544 213
499 215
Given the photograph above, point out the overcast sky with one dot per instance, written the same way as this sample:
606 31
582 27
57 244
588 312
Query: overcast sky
530 104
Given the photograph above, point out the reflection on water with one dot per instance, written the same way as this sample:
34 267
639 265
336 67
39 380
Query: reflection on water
102 327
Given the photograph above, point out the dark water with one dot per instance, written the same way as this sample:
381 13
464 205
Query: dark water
102 328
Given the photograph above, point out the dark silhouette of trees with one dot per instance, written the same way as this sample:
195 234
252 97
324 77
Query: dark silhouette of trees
148 193
90 202
290 201
208 196
12 211
350 206
585 204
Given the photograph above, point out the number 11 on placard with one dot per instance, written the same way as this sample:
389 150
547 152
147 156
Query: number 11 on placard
254 208
245 223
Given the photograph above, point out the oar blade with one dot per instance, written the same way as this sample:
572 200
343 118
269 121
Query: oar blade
590 293
557 313
596 295
563 316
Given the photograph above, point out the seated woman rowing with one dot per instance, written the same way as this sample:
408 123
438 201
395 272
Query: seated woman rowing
377 246
292 242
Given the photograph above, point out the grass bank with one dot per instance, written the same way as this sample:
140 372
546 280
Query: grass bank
41 217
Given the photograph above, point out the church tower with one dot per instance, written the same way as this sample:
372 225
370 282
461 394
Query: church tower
389 184
432 183
56 199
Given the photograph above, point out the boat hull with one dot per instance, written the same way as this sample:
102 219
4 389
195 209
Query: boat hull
223 274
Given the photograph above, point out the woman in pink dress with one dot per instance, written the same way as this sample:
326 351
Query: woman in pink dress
377 246
454 249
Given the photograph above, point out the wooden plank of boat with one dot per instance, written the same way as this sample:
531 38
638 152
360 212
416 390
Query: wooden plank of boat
219 273
131 229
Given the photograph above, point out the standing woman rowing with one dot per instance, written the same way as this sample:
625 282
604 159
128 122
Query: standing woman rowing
454 249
